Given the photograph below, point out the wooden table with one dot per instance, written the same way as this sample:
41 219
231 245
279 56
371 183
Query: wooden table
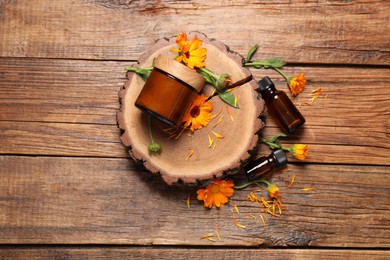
68 188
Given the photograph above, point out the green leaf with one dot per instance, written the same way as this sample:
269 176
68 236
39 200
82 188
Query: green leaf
142 72
228 98
251 52
275 62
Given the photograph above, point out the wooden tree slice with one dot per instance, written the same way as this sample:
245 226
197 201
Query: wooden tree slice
239 127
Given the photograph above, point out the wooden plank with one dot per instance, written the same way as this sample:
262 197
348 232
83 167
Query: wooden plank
36 138
187 253
65 107
300 31
31 138
50 90
56 200
87 92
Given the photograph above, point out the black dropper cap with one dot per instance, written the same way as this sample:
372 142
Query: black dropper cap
265 83
280 157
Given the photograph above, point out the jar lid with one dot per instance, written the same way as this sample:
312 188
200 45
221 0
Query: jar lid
180 71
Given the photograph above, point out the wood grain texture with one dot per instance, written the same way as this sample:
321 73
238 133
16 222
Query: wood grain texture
69 190
60 200
299 31
68 108
184 253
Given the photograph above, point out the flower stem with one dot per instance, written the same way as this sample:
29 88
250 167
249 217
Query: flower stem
265 182
209 72
249 183
271 144
243 186
281 73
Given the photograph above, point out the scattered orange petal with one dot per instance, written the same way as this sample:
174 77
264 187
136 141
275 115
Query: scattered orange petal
314 96
190 154
211 140
240 226
306 103
217 114
217 233
219 121
228 112
263 219
218 135
308 189
252 216
188 201
235 221
207 235
292 182
236 208
235 100
317 90
272 212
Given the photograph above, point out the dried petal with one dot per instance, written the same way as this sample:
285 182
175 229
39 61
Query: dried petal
190 154
219 121
188 201
236 208
219 136
217 114
292 182
308 189
228 112
211 140
217 233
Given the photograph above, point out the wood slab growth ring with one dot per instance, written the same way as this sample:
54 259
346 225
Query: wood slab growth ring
239 127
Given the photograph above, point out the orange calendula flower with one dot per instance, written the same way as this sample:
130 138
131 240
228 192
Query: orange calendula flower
297 84
190 53
199 113
217 193
299 151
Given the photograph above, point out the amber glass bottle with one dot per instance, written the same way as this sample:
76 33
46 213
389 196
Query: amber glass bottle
169 90
280 107
276 160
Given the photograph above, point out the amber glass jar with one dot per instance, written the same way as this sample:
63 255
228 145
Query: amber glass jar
169 90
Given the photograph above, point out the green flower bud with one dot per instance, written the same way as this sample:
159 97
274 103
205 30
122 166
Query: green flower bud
154 148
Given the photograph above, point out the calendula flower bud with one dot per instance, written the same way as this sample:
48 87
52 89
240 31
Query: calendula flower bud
299 151
222 81
154 148
273 191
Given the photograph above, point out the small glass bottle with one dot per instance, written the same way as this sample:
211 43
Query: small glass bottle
280 107
276 160
169 90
